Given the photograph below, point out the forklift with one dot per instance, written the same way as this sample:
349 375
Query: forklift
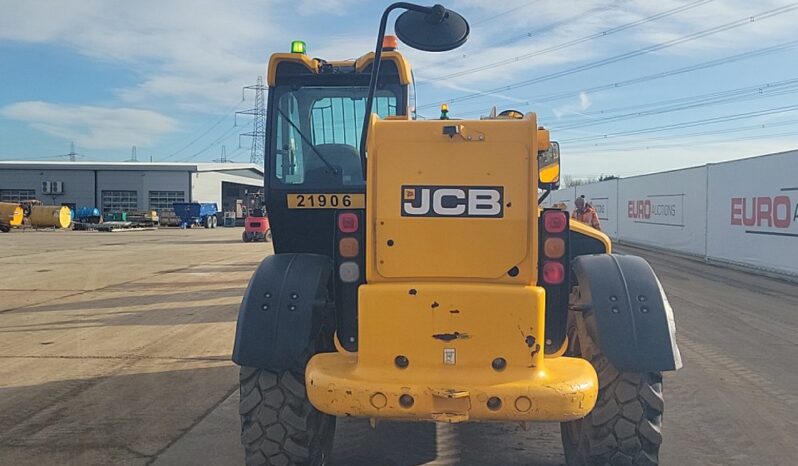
417 277
256 222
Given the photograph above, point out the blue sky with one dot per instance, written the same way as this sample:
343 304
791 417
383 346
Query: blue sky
628 86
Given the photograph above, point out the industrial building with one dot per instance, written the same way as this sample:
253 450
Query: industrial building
128 186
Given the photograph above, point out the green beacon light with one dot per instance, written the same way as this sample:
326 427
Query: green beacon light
298 46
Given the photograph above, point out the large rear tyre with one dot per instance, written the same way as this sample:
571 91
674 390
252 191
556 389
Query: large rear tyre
245 237
279 426
625 426
268 236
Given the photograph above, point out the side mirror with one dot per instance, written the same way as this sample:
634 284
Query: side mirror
435 30
432 29
549 167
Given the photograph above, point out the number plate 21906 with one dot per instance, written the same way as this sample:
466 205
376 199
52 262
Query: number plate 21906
326 201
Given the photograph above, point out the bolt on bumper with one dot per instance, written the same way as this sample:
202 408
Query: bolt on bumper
565 389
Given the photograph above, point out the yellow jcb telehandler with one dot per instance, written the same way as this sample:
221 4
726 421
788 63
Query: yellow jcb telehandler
416 276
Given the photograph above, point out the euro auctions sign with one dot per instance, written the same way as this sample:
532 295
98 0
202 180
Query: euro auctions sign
658 209
753 212
775 215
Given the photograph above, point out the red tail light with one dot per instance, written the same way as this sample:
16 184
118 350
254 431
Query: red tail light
347 222
554 221
553 273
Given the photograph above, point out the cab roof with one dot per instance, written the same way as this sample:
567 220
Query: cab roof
297 64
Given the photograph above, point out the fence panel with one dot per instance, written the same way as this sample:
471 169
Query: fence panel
753 212
665 210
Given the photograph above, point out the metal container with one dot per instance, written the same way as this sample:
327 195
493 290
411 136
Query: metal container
50 216
115 216
11 214
86 212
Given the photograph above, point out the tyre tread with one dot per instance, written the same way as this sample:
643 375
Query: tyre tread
275 427
625 426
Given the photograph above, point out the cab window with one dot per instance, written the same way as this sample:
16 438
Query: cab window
317 134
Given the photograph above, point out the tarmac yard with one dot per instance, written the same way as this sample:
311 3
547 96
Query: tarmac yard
115 349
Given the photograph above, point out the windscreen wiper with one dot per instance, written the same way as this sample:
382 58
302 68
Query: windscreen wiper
307 141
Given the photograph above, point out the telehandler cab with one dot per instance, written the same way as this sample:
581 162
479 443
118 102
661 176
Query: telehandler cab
425 282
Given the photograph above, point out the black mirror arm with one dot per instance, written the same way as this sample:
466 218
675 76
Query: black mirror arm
375 69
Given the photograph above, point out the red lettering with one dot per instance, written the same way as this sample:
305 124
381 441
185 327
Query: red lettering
749 221
764 209
778 220
736 211
639 209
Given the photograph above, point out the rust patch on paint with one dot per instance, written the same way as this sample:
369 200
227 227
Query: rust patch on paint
451 336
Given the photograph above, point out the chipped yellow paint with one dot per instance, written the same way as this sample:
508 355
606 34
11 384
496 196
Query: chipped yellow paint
440 294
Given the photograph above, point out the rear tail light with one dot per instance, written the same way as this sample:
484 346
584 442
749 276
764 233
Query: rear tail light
348 247
554 248
347 222
553 273
554 221
349 272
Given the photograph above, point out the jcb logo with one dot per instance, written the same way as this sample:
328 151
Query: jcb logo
452 201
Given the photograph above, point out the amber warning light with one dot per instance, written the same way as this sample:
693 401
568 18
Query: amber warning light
389 43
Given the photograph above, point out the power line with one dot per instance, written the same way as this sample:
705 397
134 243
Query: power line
771 89
664 74
711 96
206 131
527 35
688 124
498 15
624 56
693 144
573 42
736 129
213 143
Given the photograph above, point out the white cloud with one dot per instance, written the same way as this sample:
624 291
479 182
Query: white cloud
573 108
185 51
93 127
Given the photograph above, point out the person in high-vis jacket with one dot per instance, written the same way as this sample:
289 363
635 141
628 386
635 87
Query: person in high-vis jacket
585 213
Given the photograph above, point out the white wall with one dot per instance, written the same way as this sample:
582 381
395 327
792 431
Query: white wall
604 198
207 186
565 196
666 210
744 212
753 213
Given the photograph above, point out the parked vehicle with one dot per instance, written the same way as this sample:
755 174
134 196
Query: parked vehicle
386 310
196 213
256 227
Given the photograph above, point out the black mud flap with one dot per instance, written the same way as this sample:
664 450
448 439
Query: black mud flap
275 321
626 311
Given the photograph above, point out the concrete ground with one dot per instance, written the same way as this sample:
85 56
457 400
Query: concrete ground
115 349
